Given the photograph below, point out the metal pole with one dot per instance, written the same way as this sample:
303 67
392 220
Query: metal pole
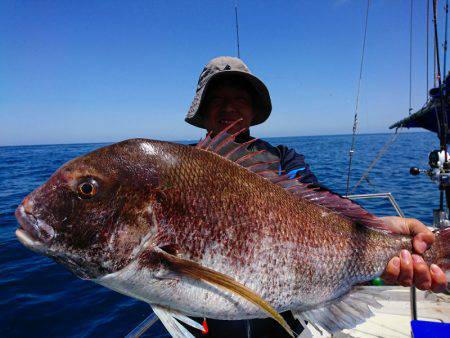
445 38
443 110
387 195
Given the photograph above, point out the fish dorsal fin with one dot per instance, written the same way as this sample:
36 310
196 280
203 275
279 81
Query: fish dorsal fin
196 271
342 205
224 145
346 312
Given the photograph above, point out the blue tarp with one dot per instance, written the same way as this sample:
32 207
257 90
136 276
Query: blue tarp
423 329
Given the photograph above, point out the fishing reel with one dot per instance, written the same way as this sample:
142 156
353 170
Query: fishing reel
439 171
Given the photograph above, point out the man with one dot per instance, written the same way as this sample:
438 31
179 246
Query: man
228 92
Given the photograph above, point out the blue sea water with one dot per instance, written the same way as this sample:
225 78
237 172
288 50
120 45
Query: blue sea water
40 298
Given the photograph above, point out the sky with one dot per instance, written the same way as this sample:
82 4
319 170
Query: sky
104 71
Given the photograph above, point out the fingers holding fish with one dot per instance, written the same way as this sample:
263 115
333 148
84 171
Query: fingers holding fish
392 271
422 277
438 279
423 238
412 270
405 277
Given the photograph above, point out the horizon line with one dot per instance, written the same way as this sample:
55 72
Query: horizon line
187 140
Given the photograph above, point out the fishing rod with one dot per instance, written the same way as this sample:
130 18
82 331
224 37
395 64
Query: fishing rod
237 28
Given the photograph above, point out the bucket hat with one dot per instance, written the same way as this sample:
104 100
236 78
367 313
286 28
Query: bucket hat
227 66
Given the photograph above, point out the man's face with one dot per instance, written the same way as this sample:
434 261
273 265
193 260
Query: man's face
226 103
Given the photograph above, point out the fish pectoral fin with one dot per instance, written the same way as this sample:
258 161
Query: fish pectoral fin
171 321
345 312
196 271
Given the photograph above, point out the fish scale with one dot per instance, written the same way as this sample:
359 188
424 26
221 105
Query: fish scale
252 205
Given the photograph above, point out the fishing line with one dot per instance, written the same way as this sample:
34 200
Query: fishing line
381 152
394 136
355 119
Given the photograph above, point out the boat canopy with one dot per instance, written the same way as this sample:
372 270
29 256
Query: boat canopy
428 116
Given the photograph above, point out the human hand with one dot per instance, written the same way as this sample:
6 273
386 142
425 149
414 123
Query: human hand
409 270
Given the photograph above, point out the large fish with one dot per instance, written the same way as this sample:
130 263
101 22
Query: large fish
210 231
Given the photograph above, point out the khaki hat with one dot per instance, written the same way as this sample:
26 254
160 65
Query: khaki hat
225 66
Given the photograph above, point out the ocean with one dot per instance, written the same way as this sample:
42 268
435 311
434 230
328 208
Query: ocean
40 298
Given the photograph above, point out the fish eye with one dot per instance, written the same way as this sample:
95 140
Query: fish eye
87 189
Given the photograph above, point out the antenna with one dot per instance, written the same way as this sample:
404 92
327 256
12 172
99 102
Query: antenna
237 27
410 55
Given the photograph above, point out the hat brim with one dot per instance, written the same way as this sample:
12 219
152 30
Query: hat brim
195 117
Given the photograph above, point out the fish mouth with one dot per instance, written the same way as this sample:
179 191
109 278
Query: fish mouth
38 236
39 247
31 243
28 223
32 232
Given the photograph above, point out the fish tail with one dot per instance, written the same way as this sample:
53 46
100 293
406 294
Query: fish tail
439 253
442 248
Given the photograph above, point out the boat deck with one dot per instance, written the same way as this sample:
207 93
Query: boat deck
394 318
